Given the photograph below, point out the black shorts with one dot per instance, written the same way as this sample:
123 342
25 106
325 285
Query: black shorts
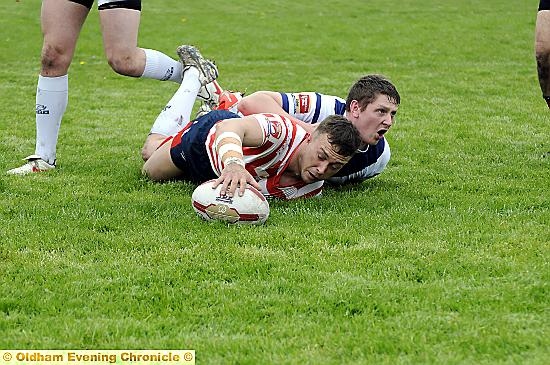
115 4
544 5
188 147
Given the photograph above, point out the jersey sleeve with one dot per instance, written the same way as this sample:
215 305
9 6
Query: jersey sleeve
268 124
274 127
309 190
272 190
311 107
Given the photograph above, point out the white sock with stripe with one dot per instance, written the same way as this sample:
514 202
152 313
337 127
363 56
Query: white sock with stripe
52 94
161 67
178 110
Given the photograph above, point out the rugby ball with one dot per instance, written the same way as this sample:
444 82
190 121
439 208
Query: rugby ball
251 208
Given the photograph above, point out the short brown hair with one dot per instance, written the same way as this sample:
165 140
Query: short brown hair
367 88
341 134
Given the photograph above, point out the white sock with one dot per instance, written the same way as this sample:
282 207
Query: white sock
178 110
161 67
52 94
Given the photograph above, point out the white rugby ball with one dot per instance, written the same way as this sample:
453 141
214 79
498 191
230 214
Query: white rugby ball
251 208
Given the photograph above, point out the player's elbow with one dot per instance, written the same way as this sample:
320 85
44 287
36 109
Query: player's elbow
249 104
245 105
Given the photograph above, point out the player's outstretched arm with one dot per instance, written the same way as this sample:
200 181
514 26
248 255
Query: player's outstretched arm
230 137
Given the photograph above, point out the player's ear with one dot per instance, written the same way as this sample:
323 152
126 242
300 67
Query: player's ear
354 108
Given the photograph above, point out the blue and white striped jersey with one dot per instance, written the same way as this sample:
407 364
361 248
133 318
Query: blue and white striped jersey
312 108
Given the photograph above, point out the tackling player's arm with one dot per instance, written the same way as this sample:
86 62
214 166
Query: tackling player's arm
230 137
269 102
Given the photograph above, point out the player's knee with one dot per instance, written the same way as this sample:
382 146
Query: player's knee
151 144
145 171
146 152
150 171
54 60
121 65
542 51
124 63
542 39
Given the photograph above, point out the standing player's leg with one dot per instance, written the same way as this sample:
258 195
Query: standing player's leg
197 72
61 22
120 26
542 48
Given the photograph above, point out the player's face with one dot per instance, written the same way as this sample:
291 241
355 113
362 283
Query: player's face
320 161
373 122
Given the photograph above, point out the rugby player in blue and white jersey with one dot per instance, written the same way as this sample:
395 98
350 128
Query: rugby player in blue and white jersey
372 100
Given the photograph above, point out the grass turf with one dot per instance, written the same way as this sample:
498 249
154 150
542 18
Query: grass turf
441 259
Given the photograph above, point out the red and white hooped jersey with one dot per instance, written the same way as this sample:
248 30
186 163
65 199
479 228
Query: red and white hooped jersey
267 162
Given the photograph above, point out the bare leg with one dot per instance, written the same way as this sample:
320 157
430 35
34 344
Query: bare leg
152 142
542 52
120 28
61 24
120 35
159 167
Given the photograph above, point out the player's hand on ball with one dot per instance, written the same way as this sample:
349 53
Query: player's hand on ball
232 177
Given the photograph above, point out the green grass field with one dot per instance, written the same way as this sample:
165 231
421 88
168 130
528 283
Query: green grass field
442 259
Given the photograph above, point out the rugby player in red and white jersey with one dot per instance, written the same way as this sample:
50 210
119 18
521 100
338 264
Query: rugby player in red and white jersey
372 101
268 151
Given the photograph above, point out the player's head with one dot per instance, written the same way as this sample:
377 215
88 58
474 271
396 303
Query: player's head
329 148
371 106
